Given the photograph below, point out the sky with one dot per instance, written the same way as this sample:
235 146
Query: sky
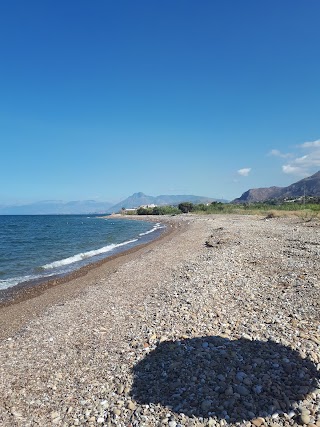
105 98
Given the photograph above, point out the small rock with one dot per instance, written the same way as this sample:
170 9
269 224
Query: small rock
120 389
291 414
16 413
55 414
131 406
257 421
206 405
304 419
229 391
243 391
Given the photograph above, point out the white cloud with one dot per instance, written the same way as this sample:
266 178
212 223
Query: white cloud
305 164
277 153
244 171
311 144
292 169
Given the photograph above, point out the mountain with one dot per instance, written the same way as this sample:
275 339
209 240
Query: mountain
57 207
309 186
141 199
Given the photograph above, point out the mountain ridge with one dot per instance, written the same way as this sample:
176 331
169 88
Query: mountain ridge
309 186
58 207
141 199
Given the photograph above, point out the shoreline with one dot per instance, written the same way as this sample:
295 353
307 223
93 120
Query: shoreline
26 300
15 293
214 325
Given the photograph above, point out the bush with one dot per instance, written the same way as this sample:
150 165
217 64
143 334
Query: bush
165 210
144 211
186 207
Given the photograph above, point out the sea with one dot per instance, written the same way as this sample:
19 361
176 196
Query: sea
39 247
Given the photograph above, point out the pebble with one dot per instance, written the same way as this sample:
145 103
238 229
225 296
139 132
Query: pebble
243 391
131 406
257 422
236 325
305 418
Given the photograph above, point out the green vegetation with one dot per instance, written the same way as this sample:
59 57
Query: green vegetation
307 209
272 209
159 210
186 207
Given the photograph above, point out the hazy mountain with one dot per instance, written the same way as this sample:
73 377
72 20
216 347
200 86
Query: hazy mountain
140 199
57 207
309 186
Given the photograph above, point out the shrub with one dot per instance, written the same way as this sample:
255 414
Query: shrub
186 207
165 210
144 211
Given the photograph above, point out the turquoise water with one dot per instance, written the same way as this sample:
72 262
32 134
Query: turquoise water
34 247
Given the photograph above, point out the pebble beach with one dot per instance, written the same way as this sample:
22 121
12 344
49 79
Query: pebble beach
217 323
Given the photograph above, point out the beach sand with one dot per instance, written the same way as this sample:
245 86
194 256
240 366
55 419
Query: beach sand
214 324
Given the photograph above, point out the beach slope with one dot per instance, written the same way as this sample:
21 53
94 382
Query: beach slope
215 324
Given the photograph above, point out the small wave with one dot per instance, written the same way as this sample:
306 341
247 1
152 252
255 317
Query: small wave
8 283
13 281
84 255
155 228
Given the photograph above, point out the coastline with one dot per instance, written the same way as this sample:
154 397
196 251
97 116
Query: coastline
28 289
214 324
23 302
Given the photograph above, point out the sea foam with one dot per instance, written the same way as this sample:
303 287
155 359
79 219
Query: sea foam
155 228
84 255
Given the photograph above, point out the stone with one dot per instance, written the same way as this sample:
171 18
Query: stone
120 389
206 405
229 391
131 406
304 418
242 390
257 421
54 414
16 413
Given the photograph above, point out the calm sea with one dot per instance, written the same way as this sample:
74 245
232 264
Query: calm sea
40 246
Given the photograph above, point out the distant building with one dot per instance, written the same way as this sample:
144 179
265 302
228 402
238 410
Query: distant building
148 206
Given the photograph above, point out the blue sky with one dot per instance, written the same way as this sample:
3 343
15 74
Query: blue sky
105 98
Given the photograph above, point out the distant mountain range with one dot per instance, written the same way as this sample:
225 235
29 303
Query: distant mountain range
141 199
56 207
309 186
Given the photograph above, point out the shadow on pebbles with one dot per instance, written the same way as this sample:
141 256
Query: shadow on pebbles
216 377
